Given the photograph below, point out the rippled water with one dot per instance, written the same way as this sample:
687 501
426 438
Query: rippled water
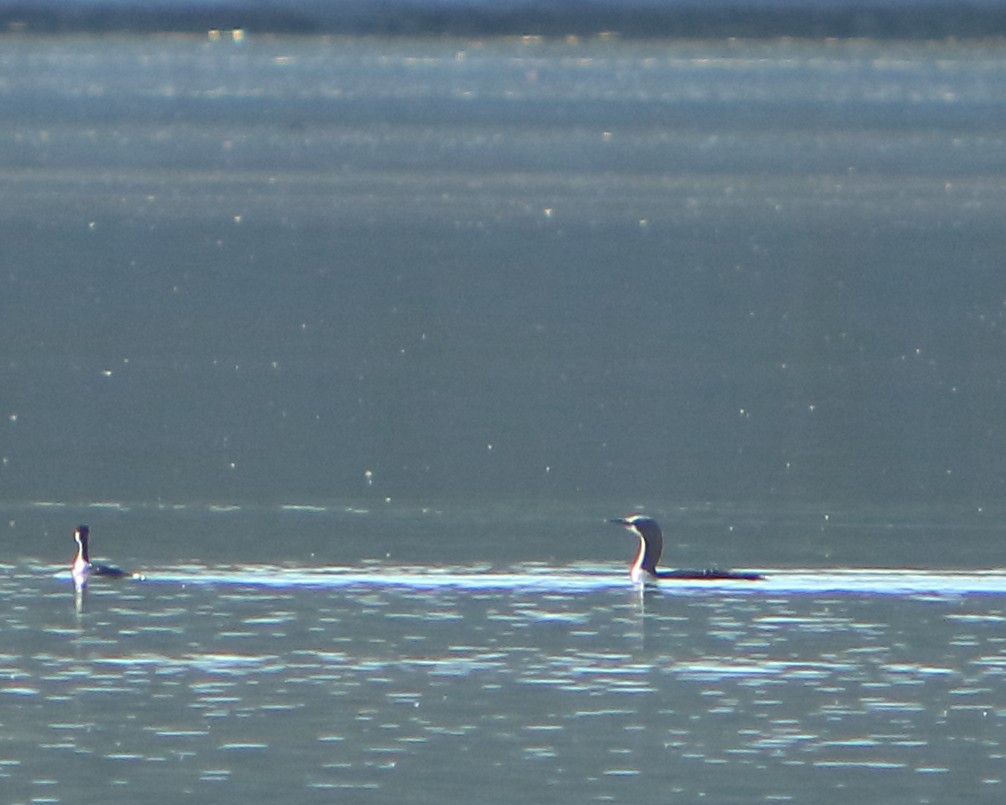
351 347
520 683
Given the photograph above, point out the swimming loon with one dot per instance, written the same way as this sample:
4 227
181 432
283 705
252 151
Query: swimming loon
83 568
651 544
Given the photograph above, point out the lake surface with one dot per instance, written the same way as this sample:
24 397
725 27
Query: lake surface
351 346
534 682
298 271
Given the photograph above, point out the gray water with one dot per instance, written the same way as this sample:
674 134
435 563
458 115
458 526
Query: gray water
351 346
538 683
297 271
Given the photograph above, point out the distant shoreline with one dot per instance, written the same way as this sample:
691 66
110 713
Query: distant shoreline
844 21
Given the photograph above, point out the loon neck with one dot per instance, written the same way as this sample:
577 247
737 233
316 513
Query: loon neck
651 545
82 559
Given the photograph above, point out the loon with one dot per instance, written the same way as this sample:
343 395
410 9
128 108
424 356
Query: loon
83 568
651 544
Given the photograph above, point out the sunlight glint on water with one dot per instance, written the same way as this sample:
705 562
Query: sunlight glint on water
365 687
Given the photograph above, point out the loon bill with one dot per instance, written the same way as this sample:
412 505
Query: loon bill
83 568
651 545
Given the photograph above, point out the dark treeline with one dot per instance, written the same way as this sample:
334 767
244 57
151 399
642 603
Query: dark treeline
698 21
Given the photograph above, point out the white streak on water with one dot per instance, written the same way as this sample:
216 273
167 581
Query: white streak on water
583 579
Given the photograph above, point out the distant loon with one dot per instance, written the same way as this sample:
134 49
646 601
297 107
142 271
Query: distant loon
83 568
651 544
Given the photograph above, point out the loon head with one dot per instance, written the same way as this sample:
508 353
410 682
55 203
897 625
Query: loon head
651 545
80 570
80 536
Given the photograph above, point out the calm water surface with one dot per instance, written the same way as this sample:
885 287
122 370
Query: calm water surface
351 346
304 680
234 689
300 270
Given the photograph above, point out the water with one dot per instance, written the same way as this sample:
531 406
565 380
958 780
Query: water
563 682
351 347
302 654
301 270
